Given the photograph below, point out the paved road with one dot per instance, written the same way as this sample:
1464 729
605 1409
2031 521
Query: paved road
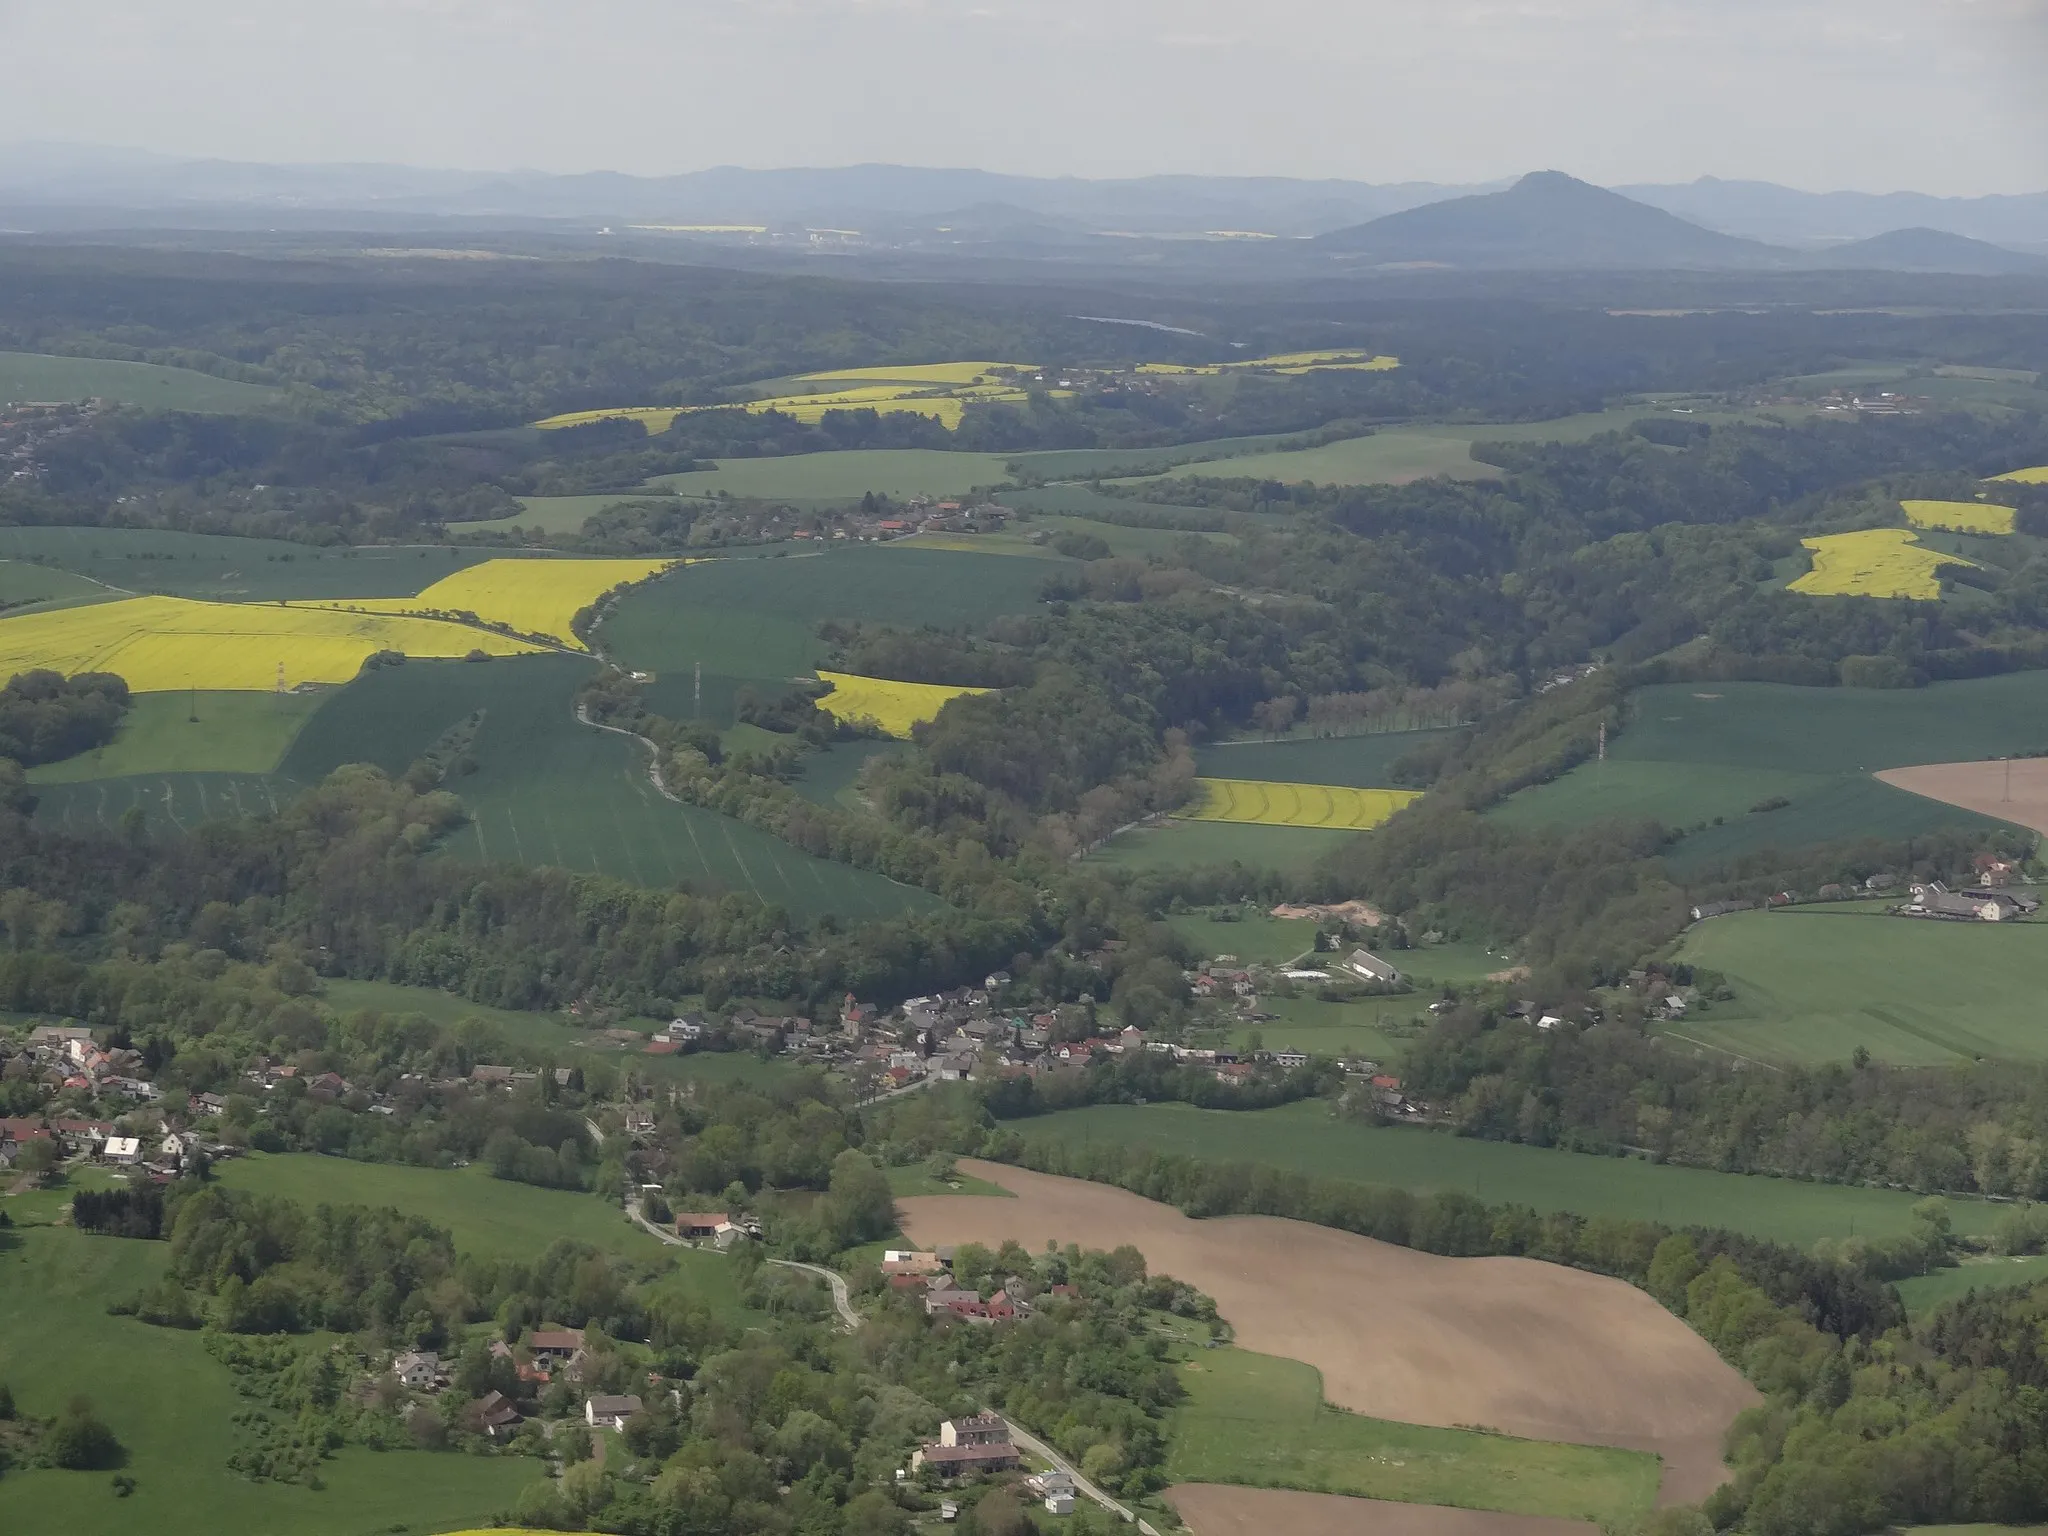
633 1210
1038 1447
840 1298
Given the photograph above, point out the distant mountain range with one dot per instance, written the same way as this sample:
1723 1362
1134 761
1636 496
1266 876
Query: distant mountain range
1547 220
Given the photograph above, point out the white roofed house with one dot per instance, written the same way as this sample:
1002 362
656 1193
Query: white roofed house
605 1411
1367 966
417 1368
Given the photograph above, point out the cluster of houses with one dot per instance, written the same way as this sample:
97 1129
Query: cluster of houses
1990 900
27 427
544 1355
928 1275
981 1443
1977 904
61 1056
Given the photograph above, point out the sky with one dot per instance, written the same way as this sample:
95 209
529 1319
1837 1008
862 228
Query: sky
1945 96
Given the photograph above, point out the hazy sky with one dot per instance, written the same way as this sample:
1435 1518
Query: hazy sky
1937 95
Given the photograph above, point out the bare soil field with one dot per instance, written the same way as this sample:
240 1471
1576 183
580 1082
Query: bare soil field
2015 791
1212 1509
1514 1345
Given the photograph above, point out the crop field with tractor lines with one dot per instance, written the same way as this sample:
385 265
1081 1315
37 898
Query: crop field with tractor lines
1266 803
892 707
1960 516
533 597
1874 562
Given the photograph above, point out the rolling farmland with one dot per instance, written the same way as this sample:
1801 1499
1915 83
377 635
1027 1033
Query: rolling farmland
1360 762
891 707
1307 1138
1192 844
160 643
225 568
1814 984
1960 516
39 376
1265 803
1876 562
1692 753
843 476
533 597
185 733
2037 475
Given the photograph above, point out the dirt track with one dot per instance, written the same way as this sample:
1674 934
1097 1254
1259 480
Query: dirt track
1213 1510
1523 1347
1983 787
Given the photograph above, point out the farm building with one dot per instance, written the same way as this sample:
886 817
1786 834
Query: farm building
550 1346
1368 966
1707 909
1978 905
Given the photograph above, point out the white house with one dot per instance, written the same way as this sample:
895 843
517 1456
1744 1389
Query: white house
417 1368
123 1149
608 1412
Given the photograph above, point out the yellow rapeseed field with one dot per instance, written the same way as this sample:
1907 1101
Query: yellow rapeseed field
1877 562
1960 516
1296 805
535 597
164 643
658 418
1292 363
2038 475
894 707
923 374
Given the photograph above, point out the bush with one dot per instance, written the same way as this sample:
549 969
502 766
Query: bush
79 1442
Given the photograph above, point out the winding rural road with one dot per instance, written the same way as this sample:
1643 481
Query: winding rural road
840 1298
1018 1432
633 1210
1039 1448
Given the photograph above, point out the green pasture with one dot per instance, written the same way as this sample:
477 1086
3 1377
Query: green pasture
845 475
1922 1294
1192 844
193 733
1362 762
37 376
1375 1028
1690 753
1086 500
1813 984
905 1182
754 622
23 583
230 569
548 790
171 1405
1254 938
1392 457
829 774
1261 1421
1127 542
560 514
1307 1138
1087 463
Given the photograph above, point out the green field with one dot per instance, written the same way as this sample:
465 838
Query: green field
37 376
1261 1420
1923 1293
1815 983
1307 1138
233 733
485 1215
550 791
1690 753
23 584
829 773
1391 457
1190 844
1362 762
1254 938
558 514
754 622
169 802
905 1182
171 1405
229 569
1080 463
846 475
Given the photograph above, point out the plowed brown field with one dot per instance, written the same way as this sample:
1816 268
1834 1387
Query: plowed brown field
2015 791
1211 1509
1516 1345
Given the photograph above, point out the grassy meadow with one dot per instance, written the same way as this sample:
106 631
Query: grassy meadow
1814 984
1391 457
1261 1420
1253 938
196 733
171 1405
1922 1294
39 376
168 802
1307 1138
846 475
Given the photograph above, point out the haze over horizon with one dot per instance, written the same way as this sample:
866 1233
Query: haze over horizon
1878 96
